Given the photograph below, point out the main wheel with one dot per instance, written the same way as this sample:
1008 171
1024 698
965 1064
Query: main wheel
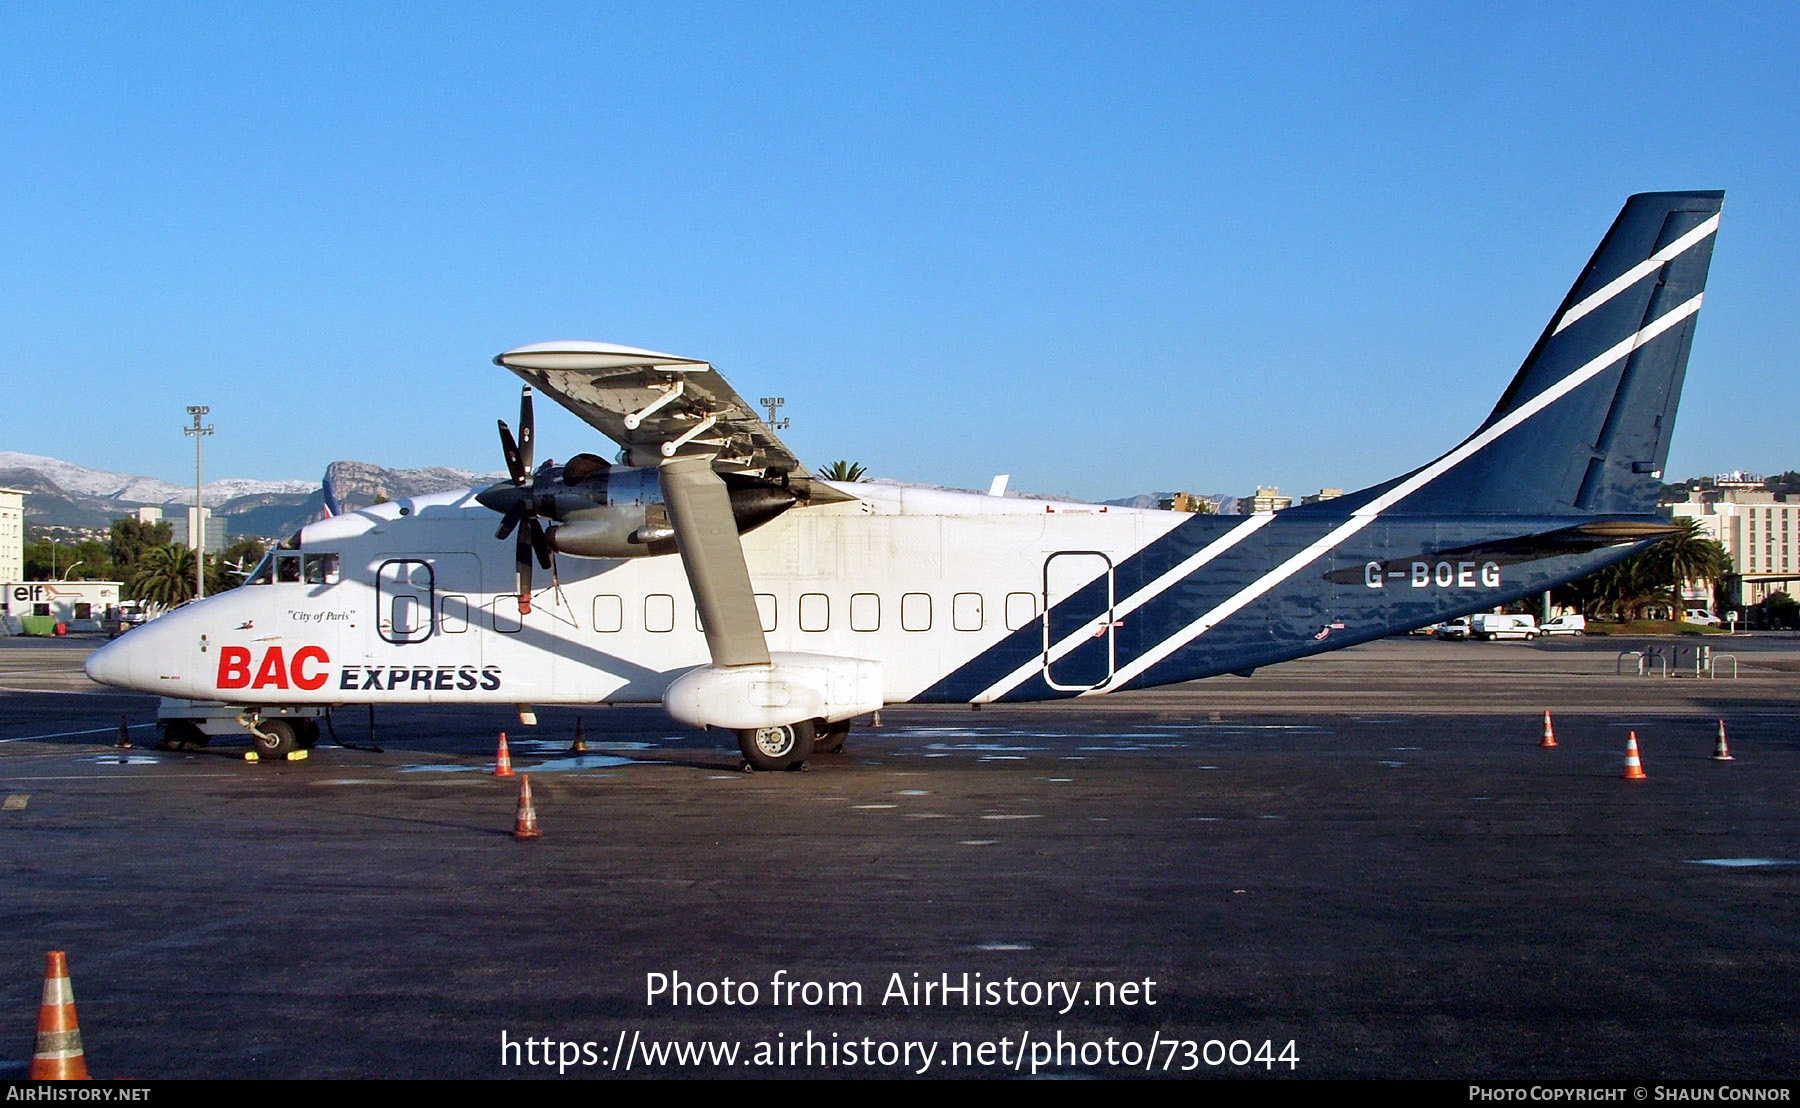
273 738
831 740
179 733
774 748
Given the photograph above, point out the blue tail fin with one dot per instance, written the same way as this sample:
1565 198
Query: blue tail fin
1584 427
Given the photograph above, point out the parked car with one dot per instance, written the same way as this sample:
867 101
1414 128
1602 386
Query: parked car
1488 625
1574 624
1457 628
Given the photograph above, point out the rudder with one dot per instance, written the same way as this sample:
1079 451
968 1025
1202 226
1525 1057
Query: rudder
1617 348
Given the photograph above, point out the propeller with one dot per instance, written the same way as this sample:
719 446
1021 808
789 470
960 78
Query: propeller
519 501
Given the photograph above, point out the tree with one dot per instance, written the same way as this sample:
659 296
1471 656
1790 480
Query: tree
235 563
164 576
1689 555
130 538
1651 577
844 471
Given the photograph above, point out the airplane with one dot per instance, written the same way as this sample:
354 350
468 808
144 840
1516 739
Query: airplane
707 570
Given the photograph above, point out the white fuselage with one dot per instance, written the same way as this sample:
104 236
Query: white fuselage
417 605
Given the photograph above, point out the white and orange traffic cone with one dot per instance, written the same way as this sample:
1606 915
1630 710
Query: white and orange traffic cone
1634 769
527 826
1721 752
1549 740
58 1056
503 760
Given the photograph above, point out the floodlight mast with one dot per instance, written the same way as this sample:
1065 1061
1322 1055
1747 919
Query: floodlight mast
195 411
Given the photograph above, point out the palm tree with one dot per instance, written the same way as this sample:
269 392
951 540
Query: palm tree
1690 556
164 576
844 471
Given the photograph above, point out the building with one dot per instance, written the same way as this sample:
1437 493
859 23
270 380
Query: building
1264 500
215 531
149 515
1759 531
1187 502
81 605
12 534
1321 496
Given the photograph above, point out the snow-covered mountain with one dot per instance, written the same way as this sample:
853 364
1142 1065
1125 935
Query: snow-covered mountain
129 488
70 495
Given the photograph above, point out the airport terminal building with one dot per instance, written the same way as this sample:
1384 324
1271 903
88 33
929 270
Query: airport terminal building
1759 531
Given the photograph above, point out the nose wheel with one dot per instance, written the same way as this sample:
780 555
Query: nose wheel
787 746
274 738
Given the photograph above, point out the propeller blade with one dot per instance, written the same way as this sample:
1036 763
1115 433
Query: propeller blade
522 563
515 466
540 543
513 515
527 431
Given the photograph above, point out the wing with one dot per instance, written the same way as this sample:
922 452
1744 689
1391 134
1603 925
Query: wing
662 406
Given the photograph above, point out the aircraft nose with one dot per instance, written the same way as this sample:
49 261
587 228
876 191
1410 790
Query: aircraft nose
111 664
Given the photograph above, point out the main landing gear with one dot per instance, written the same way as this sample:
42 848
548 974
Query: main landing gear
789 746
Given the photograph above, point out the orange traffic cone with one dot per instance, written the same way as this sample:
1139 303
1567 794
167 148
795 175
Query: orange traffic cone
1634 769
526 827
58 1056
1549 739
503 760
1721 752
579 746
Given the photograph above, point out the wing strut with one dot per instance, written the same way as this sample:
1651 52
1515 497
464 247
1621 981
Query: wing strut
706 537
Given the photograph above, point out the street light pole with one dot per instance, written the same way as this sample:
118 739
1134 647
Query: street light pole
198 432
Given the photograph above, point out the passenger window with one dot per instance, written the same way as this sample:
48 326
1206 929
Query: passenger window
609 614
322 569
865 611
1021 610
915 611
287 568
453 618
659 612
506 614
965 611
815 611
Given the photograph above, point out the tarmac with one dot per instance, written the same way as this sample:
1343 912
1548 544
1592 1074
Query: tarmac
1361 865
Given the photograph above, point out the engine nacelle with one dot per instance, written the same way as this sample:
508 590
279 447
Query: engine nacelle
615 531
619 513
792 688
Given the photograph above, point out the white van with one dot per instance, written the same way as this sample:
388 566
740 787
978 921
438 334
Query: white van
1572 624
1487 625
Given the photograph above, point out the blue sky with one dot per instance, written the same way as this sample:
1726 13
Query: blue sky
1107 248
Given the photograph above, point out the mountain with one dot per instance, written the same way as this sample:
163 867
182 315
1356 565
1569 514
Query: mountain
1222 504
60 493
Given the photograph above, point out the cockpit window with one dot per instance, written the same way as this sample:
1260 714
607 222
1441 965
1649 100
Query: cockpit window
264 573
292 542
287 568
321 569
